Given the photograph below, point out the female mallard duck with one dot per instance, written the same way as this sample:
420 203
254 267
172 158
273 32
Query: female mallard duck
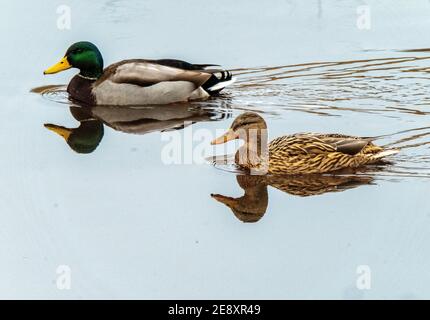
302 153
137 81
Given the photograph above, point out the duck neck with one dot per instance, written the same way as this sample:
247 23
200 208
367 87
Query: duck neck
92 67
92 73
255 187
254 153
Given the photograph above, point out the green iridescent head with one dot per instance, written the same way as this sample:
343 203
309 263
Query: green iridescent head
83 55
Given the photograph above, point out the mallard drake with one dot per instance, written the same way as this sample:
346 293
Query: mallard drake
137 81
302 153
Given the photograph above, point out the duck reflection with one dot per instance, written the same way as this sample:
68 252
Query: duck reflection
146 119
134 120
86 137
252 206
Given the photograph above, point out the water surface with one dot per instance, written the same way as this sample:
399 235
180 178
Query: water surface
130 226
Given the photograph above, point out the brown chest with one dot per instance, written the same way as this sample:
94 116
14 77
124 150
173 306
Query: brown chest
80 90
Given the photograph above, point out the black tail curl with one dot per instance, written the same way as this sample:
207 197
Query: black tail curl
220 76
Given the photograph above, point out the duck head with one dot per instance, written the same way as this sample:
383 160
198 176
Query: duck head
82 55
251 128
243 127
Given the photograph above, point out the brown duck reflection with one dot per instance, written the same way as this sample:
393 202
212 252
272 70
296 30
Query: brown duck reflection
135 120
253 204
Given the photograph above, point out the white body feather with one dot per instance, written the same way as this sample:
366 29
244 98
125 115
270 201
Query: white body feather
112 93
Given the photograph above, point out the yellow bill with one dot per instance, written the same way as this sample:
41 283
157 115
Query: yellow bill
62 131
229 135
60 66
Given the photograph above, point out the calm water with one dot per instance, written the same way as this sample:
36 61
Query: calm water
130 226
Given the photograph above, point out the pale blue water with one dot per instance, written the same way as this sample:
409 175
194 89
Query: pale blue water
130 226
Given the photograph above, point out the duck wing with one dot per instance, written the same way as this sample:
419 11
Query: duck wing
309 143
180 64
148 72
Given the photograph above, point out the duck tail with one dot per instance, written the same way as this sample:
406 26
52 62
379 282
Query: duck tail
385 153
219 80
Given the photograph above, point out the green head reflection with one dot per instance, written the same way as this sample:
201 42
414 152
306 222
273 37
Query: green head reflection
83 139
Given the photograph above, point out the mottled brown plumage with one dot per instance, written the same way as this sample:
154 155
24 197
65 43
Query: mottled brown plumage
252 206
302 153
